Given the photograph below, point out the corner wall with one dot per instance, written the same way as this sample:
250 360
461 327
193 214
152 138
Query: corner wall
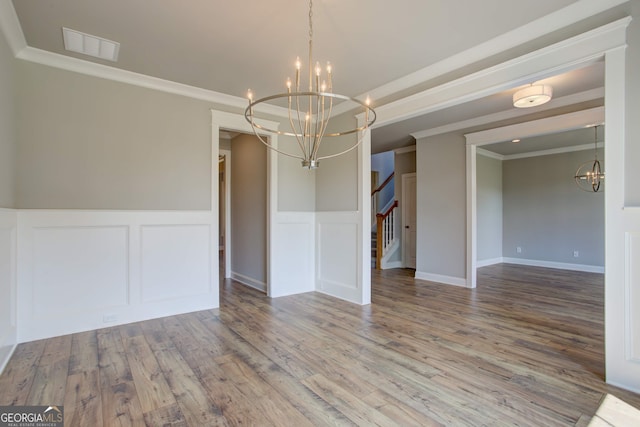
8 216
489 210
441 209
548 217
8 285
249 211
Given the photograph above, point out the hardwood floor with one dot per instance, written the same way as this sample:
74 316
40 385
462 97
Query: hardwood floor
524 348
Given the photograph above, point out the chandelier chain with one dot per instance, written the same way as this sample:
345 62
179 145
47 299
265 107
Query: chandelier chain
310 19
310 111
596 142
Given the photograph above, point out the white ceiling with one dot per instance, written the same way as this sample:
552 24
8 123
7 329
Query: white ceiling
229 47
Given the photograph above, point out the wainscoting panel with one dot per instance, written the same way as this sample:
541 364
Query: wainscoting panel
84 270
292 252
632 291
79 268
338 255
8 333
176 261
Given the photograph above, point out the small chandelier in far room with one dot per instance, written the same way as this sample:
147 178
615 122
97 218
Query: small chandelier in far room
532 96
309 112
589 175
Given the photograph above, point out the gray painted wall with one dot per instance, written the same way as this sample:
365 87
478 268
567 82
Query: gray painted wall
7 127
296 185
89 143
489 208
337 178
249 207
547 215
441 205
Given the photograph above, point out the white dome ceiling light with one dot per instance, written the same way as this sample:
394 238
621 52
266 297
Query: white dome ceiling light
532 96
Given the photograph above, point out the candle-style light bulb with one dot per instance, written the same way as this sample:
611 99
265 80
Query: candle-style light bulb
323 87
329 68
298 63
368 101
289 84
250 95
318 69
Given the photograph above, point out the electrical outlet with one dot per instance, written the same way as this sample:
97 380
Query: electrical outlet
110 318
519 250
576 254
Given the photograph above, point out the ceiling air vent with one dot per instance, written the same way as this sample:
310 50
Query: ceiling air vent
75 41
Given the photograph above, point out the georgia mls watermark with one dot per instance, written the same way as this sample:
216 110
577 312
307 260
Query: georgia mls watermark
31 416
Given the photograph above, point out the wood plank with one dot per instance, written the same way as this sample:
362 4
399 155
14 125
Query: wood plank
524 348
166 416
151 387
50 379
354 408
18 375
120 404
191 396
82 403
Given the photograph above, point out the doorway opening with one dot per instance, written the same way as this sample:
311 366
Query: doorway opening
243 209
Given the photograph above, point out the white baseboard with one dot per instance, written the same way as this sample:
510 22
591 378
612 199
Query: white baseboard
447 280
559 265
248 281
392 264
487 262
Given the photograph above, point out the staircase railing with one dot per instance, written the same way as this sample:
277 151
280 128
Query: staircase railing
375 196
385 232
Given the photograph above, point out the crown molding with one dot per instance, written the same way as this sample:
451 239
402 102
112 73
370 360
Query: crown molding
544 126
549 152
403 150
10 27
552 151
576 98
490 154
571 54
564 17
129 77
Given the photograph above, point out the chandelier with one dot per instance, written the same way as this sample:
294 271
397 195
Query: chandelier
589 175
309 112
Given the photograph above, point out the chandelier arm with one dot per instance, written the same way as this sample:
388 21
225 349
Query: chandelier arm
324 124
271 147
318 124
357 144
293 127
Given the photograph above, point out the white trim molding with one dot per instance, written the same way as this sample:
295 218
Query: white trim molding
564 56
557 265
559 19
8 284
249 281
439 278
10 27
512 113
475 140
117 266
549 125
